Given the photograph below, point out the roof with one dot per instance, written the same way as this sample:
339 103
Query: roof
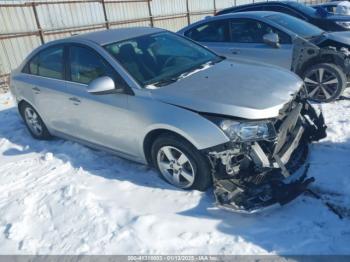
247 14
273 2
334 3
116 35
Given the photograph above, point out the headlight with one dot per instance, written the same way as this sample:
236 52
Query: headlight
343 24
248 131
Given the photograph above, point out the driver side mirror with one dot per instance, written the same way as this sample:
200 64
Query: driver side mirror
102 86
272 39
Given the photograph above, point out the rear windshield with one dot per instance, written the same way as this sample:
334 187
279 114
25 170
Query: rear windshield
295 25
303 8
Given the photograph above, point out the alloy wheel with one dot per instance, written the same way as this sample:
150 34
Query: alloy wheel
32 119
321 84
175 166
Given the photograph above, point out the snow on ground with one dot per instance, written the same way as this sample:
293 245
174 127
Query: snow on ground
59 197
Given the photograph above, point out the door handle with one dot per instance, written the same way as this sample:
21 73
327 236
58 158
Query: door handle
75 100
36 90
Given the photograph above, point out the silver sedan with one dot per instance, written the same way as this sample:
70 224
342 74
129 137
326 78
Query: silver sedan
154 97
320 58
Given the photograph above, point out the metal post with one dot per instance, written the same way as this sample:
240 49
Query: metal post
188 13
105 13
214 3
38 23
150 12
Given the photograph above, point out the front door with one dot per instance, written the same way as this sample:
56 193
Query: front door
98 119
247 42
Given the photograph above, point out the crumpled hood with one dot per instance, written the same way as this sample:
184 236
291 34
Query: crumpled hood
341 37
240 89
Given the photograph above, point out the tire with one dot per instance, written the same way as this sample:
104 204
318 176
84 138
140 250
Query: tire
34 123
324 82
175 169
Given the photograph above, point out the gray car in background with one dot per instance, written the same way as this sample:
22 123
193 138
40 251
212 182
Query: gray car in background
320 58
157 98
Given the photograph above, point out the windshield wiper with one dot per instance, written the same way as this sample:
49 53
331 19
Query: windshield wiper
167 81
163 82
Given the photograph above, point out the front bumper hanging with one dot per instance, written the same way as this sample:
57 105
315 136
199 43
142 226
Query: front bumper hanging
263 180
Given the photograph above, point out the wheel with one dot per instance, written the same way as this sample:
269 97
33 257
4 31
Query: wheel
324 82
180 163
34 122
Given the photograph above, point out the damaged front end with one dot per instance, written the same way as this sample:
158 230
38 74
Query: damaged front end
253 175
307 53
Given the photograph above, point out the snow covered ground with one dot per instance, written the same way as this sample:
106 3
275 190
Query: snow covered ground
59 197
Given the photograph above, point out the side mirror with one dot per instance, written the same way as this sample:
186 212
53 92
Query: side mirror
103 85
272 39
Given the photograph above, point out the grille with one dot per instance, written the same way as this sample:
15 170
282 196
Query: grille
288 127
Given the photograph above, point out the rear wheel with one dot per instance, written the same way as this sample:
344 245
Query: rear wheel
34 123
324 82
180 163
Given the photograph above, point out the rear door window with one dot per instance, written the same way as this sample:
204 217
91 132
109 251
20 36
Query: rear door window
215 31
48 63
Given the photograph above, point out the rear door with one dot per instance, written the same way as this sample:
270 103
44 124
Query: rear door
45 85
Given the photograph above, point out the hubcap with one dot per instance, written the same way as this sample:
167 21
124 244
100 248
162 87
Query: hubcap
32 120
321 84
175 167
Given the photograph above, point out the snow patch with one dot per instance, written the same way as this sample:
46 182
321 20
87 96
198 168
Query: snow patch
58 197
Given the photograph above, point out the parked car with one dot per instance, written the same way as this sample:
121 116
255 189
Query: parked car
335 7
313 16
157 98
321 59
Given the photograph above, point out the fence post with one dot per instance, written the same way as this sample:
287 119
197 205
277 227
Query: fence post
188 13
38 23
150 12
105 13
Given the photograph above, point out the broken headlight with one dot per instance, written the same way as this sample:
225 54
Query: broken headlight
343 24
248 131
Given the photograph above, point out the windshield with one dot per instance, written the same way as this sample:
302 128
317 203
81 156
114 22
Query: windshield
158 59
303 8
296 25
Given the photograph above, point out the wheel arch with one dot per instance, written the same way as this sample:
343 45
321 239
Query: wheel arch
326 58
21 103
152 135
200 138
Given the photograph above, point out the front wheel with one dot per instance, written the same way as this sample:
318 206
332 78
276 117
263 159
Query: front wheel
180 163
324 82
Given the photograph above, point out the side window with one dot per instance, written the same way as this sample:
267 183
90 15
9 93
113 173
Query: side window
216 31
86 65
252 31
48 63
